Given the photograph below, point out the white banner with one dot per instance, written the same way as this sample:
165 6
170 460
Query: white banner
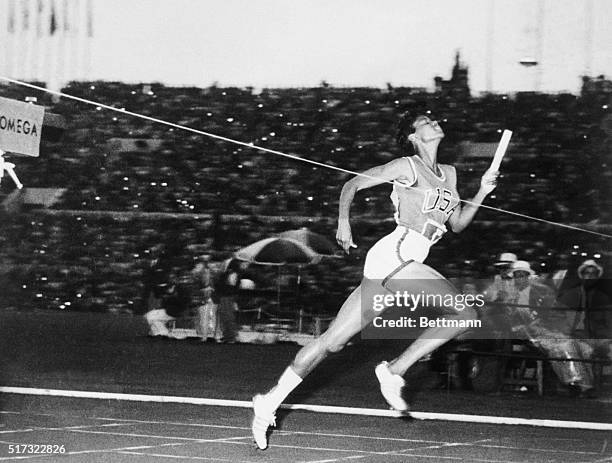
20 127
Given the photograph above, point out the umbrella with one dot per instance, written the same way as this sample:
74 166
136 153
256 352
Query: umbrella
318 243
278 251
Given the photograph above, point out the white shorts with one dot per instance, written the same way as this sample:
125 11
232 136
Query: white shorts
393 252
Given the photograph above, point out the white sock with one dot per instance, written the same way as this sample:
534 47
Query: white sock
288 381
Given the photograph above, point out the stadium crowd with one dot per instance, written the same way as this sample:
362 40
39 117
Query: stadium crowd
161 182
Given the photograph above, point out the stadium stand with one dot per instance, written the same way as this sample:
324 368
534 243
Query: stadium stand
158 181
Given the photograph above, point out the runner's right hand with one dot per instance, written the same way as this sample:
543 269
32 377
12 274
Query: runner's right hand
344 237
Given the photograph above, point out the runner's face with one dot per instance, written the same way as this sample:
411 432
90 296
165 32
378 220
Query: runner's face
426 129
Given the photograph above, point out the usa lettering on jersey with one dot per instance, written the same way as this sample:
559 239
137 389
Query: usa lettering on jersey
438 199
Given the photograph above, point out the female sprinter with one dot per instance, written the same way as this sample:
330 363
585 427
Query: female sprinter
425 198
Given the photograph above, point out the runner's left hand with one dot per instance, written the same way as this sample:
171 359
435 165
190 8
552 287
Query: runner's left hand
488 182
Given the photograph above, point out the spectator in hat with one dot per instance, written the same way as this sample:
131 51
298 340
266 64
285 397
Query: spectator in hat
588 308
506 259
502 282
525 290
494 316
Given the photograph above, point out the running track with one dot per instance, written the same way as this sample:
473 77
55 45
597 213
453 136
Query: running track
99 352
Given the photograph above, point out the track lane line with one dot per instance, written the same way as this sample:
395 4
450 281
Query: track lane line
484 419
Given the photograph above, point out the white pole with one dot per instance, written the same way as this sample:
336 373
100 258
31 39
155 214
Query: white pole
9 167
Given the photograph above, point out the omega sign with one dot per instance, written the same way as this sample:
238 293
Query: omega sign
20 127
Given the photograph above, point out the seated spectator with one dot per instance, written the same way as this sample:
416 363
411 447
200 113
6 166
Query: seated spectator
175 301
589 309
